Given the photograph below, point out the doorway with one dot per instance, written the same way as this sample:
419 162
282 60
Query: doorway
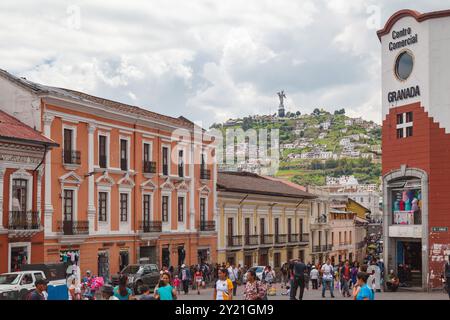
165 257
20 255
181 255
124 259
103 265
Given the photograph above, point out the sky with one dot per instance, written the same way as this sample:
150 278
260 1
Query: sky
206 60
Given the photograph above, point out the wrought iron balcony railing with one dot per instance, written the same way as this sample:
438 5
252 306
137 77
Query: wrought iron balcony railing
24 220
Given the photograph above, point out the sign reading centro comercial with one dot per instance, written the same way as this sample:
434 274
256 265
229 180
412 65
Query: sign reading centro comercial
404 33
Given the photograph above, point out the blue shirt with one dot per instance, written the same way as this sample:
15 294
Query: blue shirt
365 292
118 296
165 293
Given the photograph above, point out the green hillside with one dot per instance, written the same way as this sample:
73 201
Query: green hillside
314 146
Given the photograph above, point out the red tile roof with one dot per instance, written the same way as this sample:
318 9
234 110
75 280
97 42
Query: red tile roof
13 129
246 182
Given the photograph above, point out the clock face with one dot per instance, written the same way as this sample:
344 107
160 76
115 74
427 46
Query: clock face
404 65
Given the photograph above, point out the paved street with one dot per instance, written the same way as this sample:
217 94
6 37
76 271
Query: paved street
207 294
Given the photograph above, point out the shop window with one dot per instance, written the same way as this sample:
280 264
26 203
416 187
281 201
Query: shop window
406 202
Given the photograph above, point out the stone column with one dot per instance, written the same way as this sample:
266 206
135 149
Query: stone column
2 174
48 207
91 187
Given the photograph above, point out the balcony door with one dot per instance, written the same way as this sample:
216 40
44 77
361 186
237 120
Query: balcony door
247 230
19 191
68 212
68 139
165 162
289 229
277 227
202 213
147 212
230 231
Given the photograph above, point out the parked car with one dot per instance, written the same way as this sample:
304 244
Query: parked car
138 275
17 285
258 270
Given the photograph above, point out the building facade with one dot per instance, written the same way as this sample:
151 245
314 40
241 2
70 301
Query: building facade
22 151
261 221
126 185
416 146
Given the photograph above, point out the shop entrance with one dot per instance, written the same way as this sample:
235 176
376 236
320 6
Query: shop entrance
19 257
103 265
124 259
203 256
165 258
409 263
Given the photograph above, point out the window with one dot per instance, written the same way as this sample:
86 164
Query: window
123 154
340 238
102 198
68 205
409 131
26 279
123 207
165 162
350 237
180 209
277 226
180 163
165 209
399 133
409 117
19 193
301 226
147 206
400 118
277 259
147 152
404 65
345 236
202 209
332 238
102 157
68 139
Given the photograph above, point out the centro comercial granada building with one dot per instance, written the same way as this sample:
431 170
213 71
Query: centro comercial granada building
415 50
121 184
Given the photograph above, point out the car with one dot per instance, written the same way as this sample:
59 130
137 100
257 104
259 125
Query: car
259 272
138 275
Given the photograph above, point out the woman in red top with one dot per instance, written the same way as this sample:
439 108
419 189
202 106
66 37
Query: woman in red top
198 276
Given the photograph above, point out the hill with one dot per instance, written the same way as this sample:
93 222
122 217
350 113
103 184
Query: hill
314 146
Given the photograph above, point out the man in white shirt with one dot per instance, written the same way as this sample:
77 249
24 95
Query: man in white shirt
233 275
327 278
376 271
314 276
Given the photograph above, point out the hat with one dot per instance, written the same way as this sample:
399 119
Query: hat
88 271
41 281
183 265
313 267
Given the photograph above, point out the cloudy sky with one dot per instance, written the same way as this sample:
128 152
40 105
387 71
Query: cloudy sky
208 60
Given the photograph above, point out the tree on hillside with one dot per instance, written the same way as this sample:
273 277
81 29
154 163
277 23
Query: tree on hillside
316 112
341 111
298 113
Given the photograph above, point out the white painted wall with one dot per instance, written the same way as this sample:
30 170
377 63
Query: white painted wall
20 103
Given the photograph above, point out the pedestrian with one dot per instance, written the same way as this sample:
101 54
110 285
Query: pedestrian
254 289
145 289
327 278
393 282
108 293
363 291
447 276
354 272
74 289
39 292
284 274
223 289
177 284
268 276
314 275
121 291
306 275
185 278
198 276
345 279
376 271
165 291
298 270
233 276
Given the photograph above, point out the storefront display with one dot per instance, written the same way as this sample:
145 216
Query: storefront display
406 206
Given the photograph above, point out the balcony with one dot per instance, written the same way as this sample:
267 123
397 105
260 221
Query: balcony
205 174
267 239
150 226
280 238
149 166
316 249
181 171
292 238
208 225
304 237
72 157
24 220
251 240
73 228
234 241
23 224
329 247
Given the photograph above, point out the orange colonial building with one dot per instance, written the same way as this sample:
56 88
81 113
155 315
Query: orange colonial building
126 185
22 152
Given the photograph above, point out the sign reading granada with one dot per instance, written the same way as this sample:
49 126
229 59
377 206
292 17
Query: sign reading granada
403 94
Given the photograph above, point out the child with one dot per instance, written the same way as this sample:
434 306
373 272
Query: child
177 284
165 291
